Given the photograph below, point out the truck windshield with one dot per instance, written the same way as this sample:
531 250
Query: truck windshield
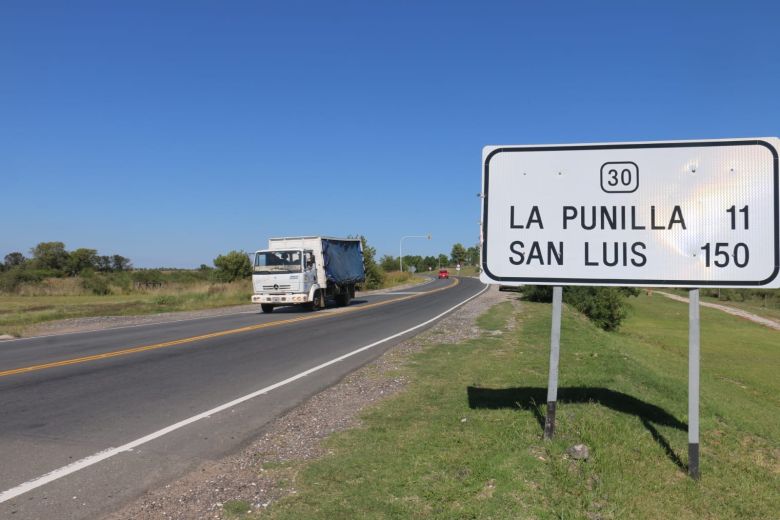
277 262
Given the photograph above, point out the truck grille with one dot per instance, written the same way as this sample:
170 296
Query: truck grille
276 288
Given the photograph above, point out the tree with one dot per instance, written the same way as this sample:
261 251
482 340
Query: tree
472 255
388 263
443 260
430 263
103 263
120 263
458 253
81 259
50 255
232 266
375 277
15 259
413 260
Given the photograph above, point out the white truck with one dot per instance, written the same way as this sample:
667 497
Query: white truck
307 271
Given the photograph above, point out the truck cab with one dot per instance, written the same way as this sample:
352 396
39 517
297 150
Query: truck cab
284 277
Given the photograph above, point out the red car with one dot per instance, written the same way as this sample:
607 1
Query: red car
443 273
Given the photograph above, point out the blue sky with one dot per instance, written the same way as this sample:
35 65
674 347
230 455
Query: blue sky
171 132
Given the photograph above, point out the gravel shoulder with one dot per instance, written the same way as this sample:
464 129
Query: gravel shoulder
69 326
266 469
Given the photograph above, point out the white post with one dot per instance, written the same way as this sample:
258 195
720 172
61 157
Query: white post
555 346
693 383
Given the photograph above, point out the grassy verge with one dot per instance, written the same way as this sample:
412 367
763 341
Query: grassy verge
464 440
396 278
755 306
18 313
767 306
466 270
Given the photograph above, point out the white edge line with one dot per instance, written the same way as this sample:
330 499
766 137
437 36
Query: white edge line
110 452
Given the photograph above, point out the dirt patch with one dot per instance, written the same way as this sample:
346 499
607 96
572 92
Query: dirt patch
266 470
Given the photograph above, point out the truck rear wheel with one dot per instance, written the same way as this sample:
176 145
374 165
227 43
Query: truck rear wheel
267 308
342 299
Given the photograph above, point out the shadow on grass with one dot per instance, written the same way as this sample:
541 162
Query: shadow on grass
530 398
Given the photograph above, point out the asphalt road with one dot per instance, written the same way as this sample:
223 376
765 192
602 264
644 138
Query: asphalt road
91 420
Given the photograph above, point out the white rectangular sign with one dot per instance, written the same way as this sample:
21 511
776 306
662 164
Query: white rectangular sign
679 213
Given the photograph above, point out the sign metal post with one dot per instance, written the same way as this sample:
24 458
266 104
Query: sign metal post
693 383
555 348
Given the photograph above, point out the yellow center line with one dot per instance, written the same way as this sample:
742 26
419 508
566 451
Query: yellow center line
155 346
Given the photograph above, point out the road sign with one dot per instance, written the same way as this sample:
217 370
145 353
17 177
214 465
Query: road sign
679 213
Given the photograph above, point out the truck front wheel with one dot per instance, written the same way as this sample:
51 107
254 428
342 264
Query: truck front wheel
314 304
267 308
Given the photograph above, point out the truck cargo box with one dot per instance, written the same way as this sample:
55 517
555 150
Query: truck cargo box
343 260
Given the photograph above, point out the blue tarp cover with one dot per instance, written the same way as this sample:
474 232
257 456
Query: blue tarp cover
343 261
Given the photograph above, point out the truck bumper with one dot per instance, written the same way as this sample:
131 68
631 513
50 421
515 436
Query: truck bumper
281 299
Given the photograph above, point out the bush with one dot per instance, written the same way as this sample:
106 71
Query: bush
147 276
388 263
537 293
187 276
12 279
375 276
96 284
763 297
233 266
166 299
121 280
604 306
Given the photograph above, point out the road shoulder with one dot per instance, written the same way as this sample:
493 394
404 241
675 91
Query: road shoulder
265 471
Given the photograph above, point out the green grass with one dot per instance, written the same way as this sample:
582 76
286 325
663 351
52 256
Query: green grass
765 304
754 306
396 278
464 440
497 318
19 313
236 508
465 270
